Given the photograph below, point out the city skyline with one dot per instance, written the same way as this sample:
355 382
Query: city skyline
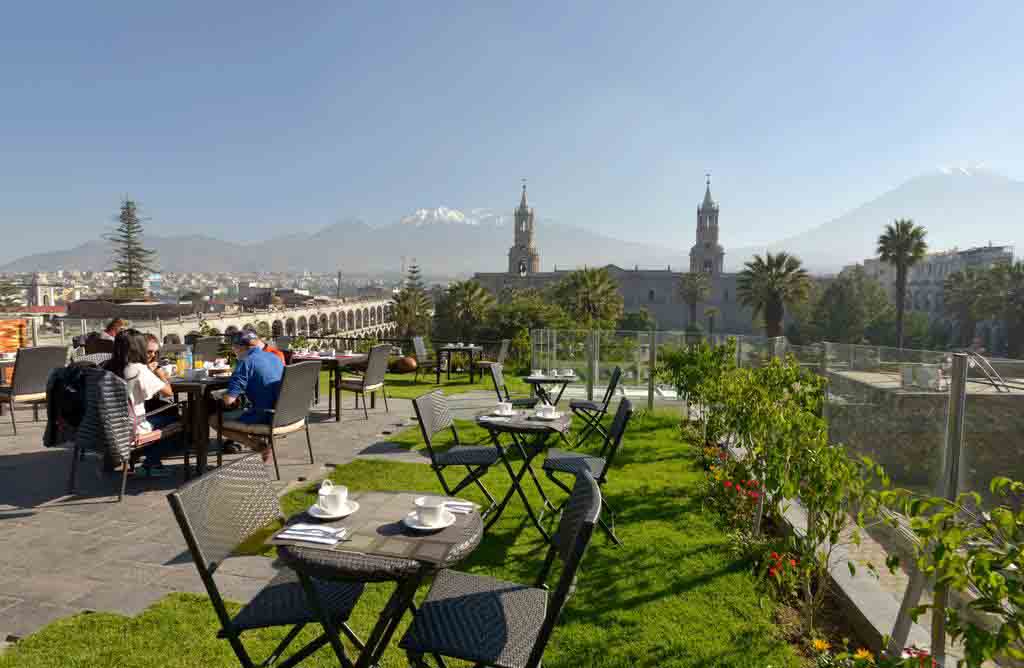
245 125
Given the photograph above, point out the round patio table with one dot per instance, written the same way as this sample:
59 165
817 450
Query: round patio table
379 548
541 385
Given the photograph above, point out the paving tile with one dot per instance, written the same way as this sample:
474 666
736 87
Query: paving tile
250 567
129 573
123 598
50 588
28 617
178 579
8 602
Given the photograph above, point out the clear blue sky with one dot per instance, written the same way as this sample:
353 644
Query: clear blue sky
253 119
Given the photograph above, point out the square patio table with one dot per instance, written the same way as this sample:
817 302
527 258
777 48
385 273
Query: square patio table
543 382
334 366
379 548
447 350
529 435
197 414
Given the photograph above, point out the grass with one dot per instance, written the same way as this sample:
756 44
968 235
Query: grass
405 385
673 596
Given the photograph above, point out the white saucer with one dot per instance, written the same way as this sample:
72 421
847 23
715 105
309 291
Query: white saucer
552 417
412 522
350 507
509 414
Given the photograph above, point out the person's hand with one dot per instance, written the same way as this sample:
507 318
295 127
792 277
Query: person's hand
160 373
153 365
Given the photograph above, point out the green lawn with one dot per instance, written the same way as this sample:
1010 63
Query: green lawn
673 596
405 385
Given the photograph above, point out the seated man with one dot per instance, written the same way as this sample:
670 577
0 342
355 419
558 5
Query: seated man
258 376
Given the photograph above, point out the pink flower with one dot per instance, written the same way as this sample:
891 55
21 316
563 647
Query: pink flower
728 483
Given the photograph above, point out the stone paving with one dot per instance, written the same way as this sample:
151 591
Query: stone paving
60 554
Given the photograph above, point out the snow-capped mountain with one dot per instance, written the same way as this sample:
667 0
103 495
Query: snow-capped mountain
444 215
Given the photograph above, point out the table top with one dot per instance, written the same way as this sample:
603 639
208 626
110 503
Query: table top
183 385
456 349
525 422
337 359
549 380
378 546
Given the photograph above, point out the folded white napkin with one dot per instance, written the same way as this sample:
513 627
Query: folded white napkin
495 418
307 538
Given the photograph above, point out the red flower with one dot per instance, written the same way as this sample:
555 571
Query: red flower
728 483
722 456
754 495
792 562
775 555
771 572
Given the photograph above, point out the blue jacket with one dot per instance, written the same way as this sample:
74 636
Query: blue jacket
258 376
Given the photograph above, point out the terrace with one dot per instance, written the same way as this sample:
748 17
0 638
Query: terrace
88 581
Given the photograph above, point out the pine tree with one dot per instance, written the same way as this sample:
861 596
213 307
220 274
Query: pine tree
414 281
413 305
132 261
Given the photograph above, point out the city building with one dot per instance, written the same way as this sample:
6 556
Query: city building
656 290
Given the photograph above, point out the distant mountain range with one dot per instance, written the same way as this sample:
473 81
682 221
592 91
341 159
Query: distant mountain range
959 207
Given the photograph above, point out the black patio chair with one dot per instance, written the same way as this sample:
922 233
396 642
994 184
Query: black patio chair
568 462
497 623
372 380
290 413
108 427
434 417
219 511
208 347
592 412
423 361
502 354
32 369
501 389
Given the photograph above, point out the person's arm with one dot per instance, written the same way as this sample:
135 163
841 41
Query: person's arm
237 384
153 384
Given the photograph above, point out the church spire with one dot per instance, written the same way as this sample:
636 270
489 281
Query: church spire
522 202
708 202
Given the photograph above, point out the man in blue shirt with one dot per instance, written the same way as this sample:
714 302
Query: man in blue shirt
258 376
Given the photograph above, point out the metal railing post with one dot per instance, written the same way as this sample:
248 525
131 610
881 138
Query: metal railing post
592 364
652 364
35 332
948 487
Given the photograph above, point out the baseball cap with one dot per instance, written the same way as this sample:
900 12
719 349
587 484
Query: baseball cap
244 338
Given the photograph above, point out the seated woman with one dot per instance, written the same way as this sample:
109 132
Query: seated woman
131 361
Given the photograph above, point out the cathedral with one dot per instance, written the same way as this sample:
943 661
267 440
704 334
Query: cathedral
656 290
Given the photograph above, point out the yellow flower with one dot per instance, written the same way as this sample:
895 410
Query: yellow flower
863 655
820 645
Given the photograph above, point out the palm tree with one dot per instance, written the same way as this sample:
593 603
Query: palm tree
466 308
1004 298
902 245
767 284
591 298
694 287
10 294
412 312
964 299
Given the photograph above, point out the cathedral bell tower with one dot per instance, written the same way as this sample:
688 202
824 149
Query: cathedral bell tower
707 255
522 257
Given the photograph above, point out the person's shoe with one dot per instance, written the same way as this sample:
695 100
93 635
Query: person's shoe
231 448
156 472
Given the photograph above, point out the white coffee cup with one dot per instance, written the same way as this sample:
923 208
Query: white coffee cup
568 372
547 410
332 498
429 510
504 408
536 372
347 352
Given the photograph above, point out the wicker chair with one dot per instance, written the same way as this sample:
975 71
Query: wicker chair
290 412
501 389
502 354
423 361
219 511
495 623
569 462
109 426
371 381
434 417
592 412
32 369
208 347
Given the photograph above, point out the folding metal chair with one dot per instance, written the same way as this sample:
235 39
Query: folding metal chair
501 389
216 513
592 412
434 417
497 623
565 462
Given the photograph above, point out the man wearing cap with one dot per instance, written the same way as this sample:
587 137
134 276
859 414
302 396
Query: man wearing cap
258 376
